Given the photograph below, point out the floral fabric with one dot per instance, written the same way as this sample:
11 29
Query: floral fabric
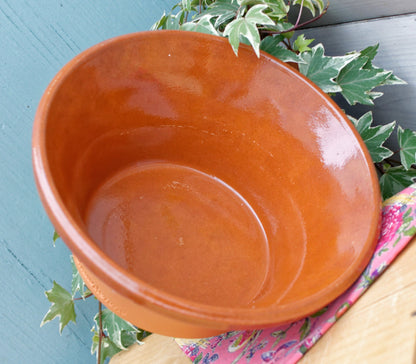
288 343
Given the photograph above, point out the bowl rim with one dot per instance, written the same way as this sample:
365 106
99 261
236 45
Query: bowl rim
137 290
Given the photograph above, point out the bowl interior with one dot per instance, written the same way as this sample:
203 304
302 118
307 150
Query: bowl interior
226 181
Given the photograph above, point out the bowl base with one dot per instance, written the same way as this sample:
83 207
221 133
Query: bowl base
182 231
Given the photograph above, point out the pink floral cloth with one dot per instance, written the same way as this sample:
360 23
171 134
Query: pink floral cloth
288 343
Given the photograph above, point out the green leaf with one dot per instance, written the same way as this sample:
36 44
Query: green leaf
114 327
311 5
301 44
204 25
55 237
172 22
396 179
277 9
394 80
407 143
374 137
356 81
256 15
222 10
411 231
62 306
323 70
186 5
305 328
247 27
77 284
271 45
128 338
160 24
370 53
108 348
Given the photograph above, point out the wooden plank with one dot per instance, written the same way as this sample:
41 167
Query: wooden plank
397 52
381 326
344 11
156 349
36 40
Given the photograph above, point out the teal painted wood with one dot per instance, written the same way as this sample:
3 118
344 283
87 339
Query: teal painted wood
36 39
396 36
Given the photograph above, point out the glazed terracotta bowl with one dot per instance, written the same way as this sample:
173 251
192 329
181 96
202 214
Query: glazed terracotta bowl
202 192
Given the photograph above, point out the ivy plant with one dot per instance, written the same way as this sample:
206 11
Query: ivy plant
271 26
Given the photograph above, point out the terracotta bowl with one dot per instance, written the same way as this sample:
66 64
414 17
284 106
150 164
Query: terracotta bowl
201 192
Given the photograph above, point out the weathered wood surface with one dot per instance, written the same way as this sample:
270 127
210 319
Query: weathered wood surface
345 11
36 39
381 326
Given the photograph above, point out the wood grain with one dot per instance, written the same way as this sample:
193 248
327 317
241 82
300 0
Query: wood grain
346 11
156 349
381 326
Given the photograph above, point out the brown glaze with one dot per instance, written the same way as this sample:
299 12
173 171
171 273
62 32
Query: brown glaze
201 192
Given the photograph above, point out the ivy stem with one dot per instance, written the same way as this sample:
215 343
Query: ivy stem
200 6
380 168
83 298
286 42
299 15
299 25
100 333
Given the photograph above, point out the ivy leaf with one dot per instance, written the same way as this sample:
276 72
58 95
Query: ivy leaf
396 179
114 327
301 44
204 25
323 70
172 22
278 9
255 15
271 45
55 237
186 5
77 284
108 348
374 137
370 52
356 81
222 10
311 5
247 27
407 143
62 306
160 23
